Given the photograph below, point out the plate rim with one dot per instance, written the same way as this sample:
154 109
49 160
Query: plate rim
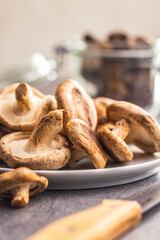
85 171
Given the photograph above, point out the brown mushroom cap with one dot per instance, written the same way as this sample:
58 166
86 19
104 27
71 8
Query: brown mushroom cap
101 104
19 184
76 102
114 144
44 148
22 106
83 137
144 130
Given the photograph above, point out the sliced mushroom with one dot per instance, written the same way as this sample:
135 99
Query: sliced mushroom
76 102
113 141
20 184
101 104
83 137
144 131
22 106
44 148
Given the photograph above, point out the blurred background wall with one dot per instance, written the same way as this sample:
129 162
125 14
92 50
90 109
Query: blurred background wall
28 26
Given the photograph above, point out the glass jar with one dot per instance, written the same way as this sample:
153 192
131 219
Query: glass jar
127 74
35 70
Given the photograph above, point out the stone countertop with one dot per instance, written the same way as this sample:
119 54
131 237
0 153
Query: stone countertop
18 224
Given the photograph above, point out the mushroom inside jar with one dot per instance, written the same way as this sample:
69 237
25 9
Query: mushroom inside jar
119 67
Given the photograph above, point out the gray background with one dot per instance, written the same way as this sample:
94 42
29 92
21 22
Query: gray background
32 26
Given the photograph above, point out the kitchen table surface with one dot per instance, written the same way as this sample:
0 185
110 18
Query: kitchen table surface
18 224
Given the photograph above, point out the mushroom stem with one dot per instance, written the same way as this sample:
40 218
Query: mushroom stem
122 128
20 196
46 130
23 96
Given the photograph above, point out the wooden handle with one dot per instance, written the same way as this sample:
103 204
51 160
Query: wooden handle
106 221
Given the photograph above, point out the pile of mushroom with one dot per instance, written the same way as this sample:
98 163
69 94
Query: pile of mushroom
56 131
49 132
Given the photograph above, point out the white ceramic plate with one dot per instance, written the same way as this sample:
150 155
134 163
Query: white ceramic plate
84 176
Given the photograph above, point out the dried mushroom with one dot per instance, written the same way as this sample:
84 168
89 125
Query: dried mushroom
44 148
119 40
77 154
83 137
76 102
101 104
143 42
143 130
113 141
22 106
90 39
20 184
118 36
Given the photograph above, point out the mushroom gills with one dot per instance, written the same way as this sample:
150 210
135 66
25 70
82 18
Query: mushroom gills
144 141
44 133
7 112
44 139
18 148
44 148
20 103
144 129
23 106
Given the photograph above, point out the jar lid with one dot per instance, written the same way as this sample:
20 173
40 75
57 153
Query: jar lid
79 47
126 53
